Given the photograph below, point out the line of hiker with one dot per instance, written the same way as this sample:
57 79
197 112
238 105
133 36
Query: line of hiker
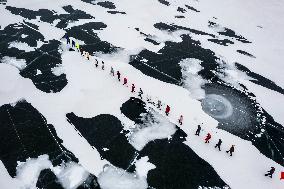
159 103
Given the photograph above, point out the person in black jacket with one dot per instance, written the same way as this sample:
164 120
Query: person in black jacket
198 130
219 144
270 172
231 150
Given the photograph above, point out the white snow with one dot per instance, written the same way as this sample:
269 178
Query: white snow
158 128
70 175
28 172
18 63
21 46
38 72
191 80
116 178
143 166
58 70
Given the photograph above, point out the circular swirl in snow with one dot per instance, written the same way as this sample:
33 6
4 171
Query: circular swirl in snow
217 106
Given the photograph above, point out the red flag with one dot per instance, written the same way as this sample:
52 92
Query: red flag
282 176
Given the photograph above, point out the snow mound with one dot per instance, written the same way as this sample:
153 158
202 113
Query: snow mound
115 178
155 127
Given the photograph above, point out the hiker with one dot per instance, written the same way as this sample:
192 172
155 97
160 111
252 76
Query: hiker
124 81
231 150
219 144
118 75
167 110
180 119
133 88
81 50
198 130
112 71
87 55
97 63
77 46
270 172
208 137
68 40
73 44
140 93
159 104
103 65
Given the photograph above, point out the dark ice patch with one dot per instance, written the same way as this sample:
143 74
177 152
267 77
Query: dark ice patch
106 131
223 42
151 41
48 180
133 108
116 12
192 8
245 53
167 59
178 166
164 2
107 4
173 27
180 9
44 14
92 42
230 33
24 134
259 79
179 17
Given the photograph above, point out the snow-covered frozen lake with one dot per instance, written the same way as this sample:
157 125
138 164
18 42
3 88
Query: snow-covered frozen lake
66 123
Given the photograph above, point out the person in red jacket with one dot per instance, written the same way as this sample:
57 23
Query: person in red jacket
118 75
208 137
133 88
168 109
125 81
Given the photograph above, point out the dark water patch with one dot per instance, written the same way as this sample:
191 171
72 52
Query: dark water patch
116 12
164 26
133 108
245 53
164 2
107 4
259 79
106 131
223 42
25 134
179 17
177 165
48 180
230 33
151 41
192 8
246 122
180 9
3 2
